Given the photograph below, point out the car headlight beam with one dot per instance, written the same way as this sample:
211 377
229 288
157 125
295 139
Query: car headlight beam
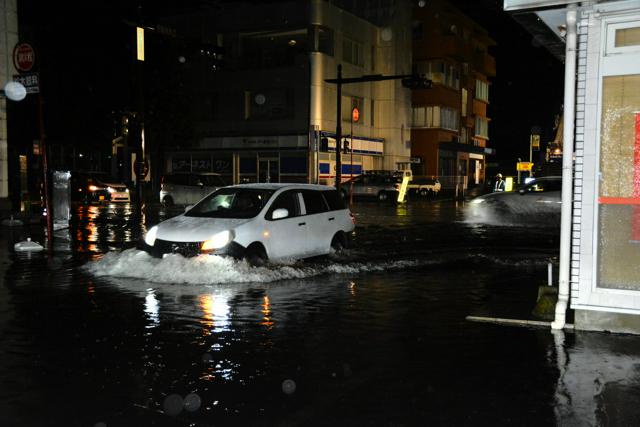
477 201
218 240
150 238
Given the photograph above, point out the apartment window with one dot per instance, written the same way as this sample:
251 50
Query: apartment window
482 127
464 135
352 52
373 112
482 90
324 41
465 100
417 31
439 72
435 117
449 118
373 58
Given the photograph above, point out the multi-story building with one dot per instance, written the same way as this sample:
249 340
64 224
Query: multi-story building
267 114
450 126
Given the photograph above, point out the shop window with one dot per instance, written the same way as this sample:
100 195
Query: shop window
619 184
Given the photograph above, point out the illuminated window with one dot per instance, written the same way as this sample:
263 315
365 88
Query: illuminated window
435 117
482 127
465 95
482 90
440 73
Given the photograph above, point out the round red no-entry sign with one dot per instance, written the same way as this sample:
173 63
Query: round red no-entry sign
24 57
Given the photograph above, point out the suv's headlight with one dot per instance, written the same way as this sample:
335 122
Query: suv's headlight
150 238
111 190
217 241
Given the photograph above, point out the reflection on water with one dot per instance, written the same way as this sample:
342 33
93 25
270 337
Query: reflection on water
375 337
215 309
152 308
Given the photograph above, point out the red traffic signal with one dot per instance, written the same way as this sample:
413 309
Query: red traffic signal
417 81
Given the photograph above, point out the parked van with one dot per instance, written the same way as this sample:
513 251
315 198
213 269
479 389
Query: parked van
187 188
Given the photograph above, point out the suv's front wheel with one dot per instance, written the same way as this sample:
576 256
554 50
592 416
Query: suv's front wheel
256 255
167 201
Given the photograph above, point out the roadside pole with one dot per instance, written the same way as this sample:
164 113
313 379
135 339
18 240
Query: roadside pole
45 170
339 129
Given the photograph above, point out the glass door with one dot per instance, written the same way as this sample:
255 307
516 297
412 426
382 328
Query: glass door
268 170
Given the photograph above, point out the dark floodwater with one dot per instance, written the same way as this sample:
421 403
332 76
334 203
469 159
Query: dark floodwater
101 335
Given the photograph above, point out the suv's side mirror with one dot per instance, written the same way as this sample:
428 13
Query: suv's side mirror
280 213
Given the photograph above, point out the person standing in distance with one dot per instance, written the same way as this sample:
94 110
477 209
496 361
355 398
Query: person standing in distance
499 185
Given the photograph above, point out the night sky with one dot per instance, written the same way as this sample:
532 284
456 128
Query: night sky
86 65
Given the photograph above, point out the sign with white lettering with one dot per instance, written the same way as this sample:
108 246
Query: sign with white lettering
30 81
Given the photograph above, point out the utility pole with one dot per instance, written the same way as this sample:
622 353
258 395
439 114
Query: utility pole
410 81
339 129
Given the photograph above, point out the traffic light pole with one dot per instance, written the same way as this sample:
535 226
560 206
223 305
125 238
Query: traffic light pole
412 81
339 128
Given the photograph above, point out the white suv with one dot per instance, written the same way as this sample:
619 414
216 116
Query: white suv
258 222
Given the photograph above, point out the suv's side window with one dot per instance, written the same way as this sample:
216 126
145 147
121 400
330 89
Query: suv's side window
314 202
333 199
287 200
177 179
195 180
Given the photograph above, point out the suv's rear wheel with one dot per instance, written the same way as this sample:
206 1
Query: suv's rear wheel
167 201
338 243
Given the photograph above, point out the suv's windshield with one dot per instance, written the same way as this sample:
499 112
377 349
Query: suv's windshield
231 203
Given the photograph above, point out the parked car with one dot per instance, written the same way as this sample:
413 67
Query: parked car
97 187
258 222
378 185
538 201
186 188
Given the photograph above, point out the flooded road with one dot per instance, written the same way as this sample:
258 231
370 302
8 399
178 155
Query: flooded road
100 334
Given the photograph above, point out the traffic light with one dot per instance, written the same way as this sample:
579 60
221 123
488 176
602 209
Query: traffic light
345 146
125 125
417 81
324 144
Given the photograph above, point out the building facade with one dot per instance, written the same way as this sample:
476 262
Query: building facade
8 40
450 125
600 246
267 115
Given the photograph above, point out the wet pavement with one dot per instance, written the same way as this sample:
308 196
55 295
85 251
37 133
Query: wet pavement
100 335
